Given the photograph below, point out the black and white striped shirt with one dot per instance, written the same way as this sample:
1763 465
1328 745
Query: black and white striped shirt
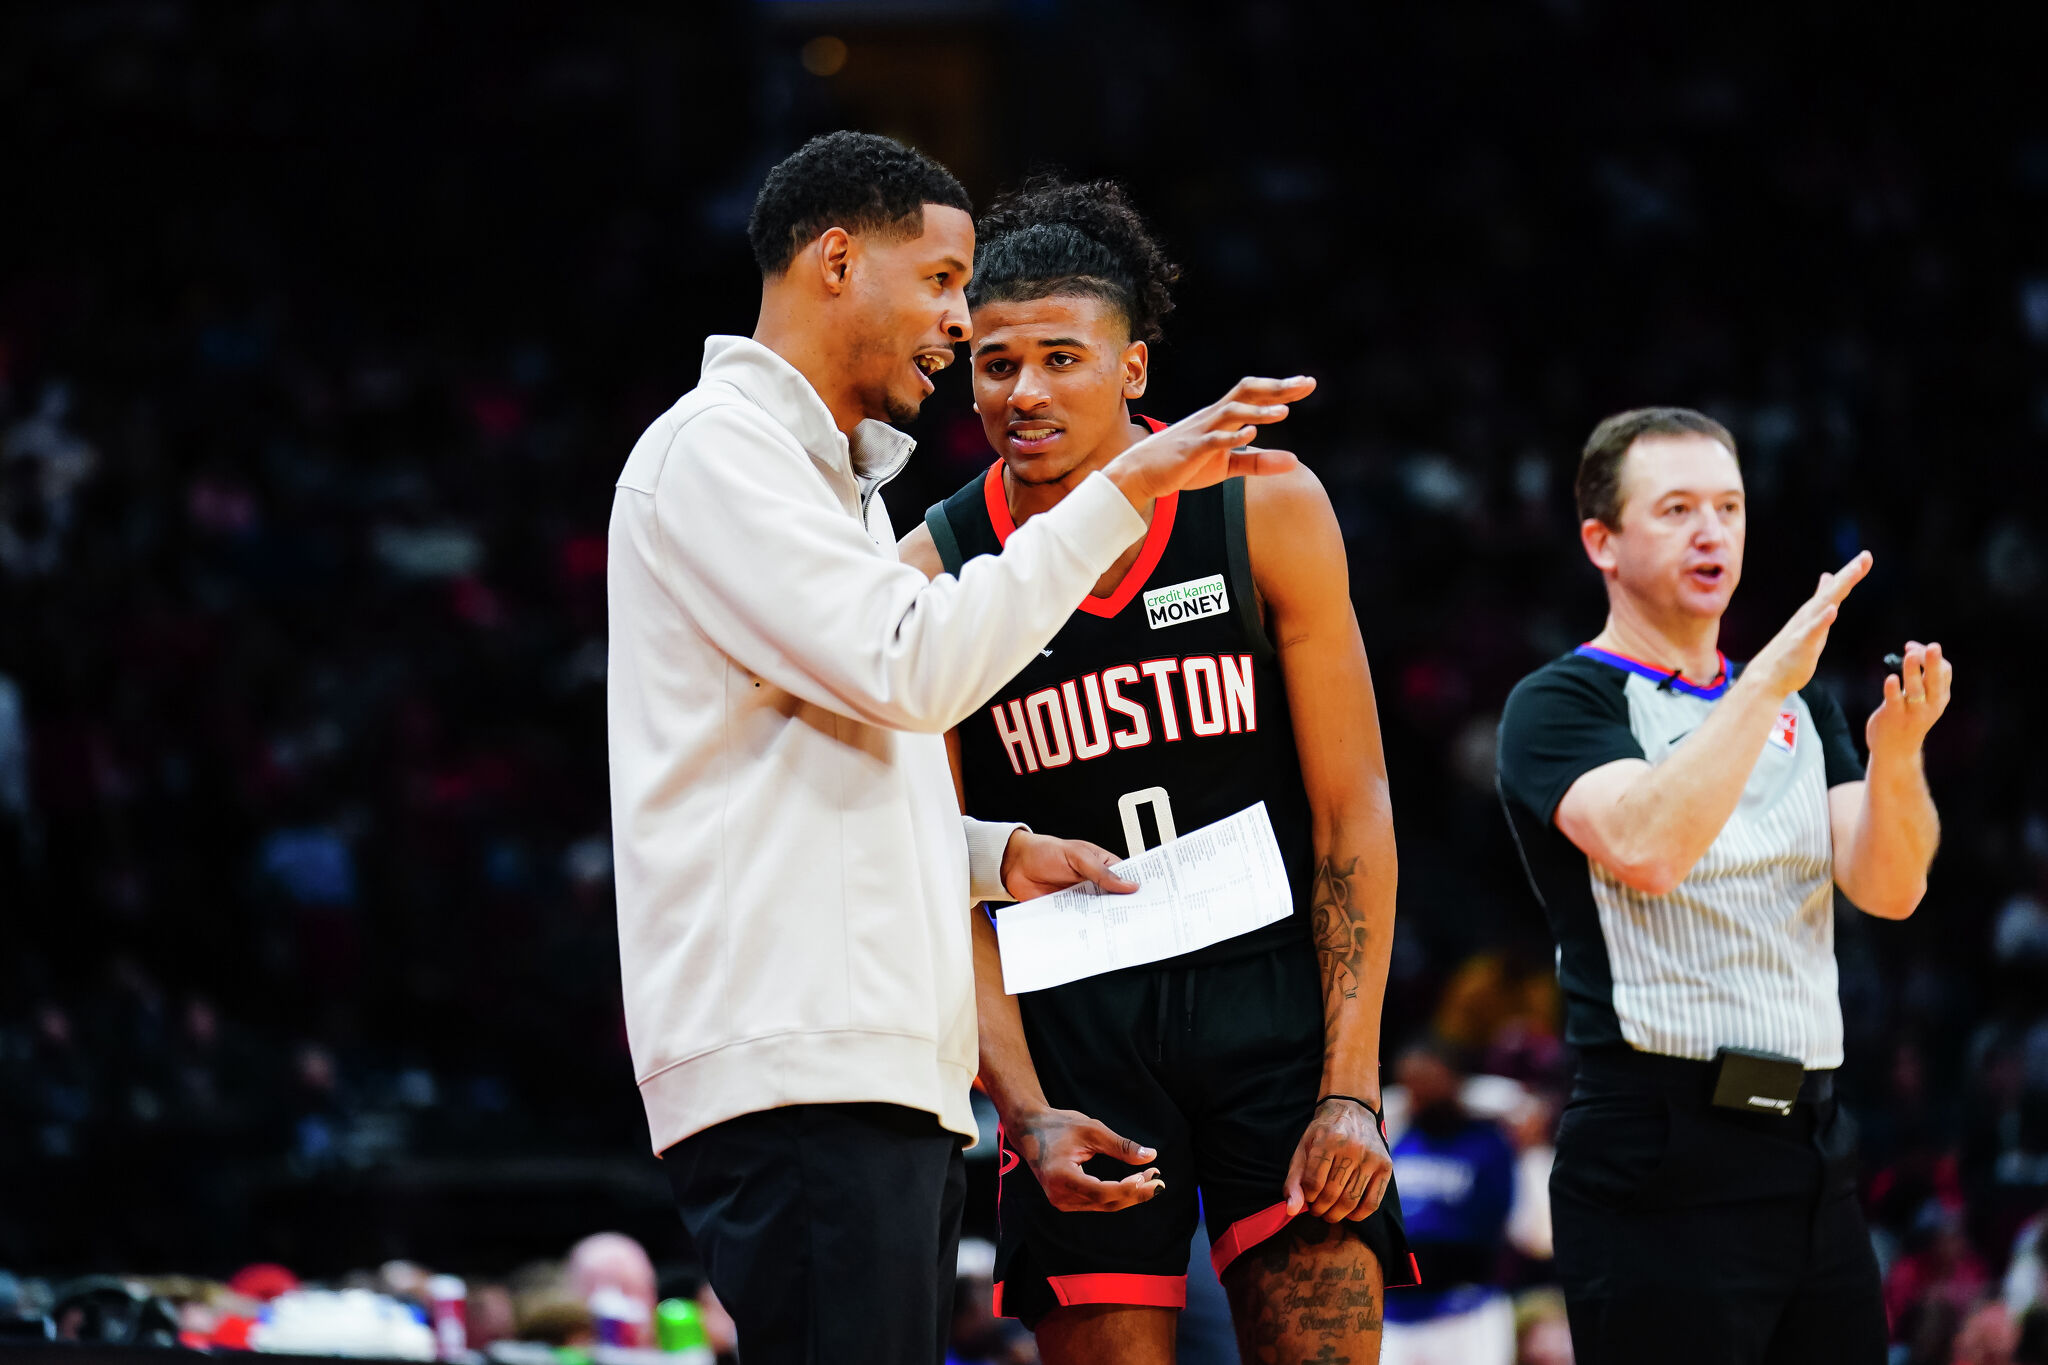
1739 954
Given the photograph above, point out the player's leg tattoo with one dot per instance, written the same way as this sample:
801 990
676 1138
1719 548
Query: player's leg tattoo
1337 922
1311 1295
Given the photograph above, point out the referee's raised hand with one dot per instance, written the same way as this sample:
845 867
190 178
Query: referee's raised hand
1788 661
1211 445
1914 698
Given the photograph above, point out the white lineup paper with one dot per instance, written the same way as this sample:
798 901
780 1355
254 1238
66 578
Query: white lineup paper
1218 882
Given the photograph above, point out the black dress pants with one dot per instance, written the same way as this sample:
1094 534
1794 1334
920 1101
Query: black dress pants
829 1231
1692 1235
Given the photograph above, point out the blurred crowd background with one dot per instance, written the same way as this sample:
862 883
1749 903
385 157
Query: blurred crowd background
325 329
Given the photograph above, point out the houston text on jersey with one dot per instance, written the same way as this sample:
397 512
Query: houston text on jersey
1070 721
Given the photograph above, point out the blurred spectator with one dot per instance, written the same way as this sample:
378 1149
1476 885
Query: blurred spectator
491 1316
60 1094
404 1280
13 756
1929 1291
1529 1230
42 465
610 1272
10 1302
1543 1333
318 1115
979 1336
611 1260
1496 999
311 865
263 1281
1989 1336
1457 1177
547 1309
2026 1273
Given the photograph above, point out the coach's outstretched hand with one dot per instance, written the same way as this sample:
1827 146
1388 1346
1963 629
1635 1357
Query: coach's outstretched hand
1211 445
1055 1142
1037 865
1341 1165
1788 661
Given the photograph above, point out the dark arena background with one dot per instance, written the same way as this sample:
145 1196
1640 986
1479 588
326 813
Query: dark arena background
325 329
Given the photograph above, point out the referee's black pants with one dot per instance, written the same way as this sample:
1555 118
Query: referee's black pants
829 1231
1693 1235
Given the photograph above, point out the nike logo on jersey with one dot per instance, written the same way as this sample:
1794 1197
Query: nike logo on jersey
1045 653
1189 601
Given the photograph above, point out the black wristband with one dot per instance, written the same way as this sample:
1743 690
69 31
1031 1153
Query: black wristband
1355 1100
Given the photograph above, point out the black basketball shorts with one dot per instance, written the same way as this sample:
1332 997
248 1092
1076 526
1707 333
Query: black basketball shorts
1216 1067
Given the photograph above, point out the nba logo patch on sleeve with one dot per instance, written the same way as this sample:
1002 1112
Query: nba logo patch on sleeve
1785 730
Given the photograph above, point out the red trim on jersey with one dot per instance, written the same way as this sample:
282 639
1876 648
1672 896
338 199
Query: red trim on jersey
998 503
1148 558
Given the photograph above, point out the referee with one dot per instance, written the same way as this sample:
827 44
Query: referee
1685 822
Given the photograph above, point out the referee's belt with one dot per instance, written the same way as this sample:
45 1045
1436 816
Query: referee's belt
1678 1078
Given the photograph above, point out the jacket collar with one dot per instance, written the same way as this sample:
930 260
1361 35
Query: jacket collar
878 451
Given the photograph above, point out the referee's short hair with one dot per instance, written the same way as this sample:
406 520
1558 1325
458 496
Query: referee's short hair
1598 486
861 182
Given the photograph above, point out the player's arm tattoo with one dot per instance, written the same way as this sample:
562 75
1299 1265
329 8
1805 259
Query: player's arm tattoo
1338 923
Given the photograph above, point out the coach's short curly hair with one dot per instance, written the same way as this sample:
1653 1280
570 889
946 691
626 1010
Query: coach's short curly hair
858 181
1053 237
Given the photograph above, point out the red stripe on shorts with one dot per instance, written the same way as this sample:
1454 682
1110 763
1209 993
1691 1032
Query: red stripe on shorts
1147 1291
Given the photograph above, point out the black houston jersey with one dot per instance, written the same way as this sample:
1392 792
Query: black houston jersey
1153 712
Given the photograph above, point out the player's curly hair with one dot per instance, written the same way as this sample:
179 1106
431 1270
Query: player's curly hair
1051 236
858 181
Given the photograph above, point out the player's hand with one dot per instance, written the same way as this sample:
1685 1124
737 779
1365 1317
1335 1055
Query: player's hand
1788 661
1341 1166
1055 1142
1037 865
1914 699
1211 445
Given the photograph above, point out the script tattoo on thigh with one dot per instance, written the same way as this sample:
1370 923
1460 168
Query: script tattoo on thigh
1310 1296
1338 924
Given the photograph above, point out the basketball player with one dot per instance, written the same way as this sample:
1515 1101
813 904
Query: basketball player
1216 664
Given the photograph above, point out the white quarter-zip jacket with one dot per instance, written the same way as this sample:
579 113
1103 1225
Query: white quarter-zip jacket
793 872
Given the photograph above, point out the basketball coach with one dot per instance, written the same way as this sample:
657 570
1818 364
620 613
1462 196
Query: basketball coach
794 878
1685 822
